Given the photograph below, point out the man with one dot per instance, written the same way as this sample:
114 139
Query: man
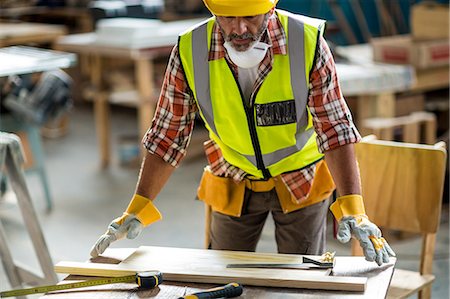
265 83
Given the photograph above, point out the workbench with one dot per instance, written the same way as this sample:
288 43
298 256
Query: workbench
377 283
18 60
29 33
77 18
142 55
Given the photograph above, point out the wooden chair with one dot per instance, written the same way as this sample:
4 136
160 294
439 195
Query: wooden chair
402 186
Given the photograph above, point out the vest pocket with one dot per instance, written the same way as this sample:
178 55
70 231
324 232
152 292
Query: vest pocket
221 193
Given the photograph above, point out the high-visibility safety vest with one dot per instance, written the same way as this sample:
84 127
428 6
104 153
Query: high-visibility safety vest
274 134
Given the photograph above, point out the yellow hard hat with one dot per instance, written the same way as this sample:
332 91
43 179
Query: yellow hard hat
239 8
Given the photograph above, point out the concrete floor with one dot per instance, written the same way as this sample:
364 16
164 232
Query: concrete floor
86 198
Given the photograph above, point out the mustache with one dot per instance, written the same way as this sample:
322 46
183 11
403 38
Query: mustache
246 35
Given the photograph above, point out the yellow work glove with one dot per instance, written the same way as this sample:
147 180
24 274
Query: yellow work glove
140 213
353 221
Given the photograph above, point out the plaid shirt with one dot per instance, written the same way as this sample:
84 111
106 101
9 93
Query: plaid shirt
172 125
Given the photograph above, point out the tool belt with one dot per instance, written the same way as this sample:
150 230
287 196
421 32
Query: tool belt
226 196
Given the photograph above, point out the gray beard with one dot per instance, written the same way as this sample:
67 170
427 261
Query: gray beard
255 37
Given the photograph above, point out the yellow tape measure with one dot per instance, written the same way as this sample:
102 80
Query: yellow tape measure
148 279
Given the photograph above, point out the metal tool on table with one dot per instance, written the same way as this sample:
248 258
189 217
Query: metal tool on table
227 291
326 261
147 280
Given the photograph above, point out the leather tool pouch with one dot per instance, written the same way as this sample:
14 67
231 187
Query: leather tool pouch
322 188
223 194
226 196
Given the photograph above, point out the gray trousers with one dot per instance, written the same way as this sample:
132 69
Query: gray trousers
299 232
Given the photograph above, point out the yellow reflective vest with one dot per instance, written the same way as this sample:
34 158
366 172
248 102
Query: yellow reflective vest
274 134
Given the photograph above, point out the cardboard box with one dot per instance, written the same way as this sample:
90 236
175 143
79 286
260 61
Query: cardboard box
430 21
402 49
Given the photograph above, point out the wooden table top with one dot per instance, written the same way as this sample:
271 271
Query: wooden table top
86 43
25 33
16 60
378 280
128 37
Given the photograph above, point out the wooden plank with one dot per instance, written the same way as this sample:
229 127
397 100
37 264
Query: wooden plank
94 269
209 266
273 278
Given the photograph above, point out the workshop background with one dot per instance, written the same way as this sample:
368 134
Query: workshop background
80 125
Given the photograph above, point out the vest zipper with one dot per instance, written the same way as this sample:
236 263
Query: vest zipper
249 112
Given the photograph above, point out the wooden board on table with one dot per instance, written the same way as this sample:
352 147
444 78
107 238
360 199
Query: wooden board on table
209 266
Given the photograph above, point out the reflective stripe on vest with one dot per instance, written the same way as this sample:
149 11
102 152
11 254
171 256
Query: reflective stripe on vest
197 69
200 53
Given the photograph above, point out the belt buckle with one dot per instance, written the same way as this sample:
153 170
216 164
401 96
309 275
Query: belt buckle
253 178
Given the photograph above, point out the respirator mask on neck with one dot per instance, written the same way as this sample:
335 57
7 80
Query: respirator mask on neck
248 58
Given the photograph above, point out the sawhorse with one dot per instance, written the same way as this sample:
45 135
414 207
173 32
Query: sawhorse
11 161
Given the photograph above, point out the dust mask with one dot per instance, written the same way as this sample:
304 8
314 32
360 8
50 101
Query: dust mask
248 58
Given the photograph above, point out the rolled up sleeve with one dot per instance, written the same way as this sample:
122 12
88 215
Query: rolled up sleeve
332 119
170 132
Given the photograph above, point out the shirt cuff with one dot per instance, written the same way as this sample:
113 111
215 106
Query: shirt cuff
169 152
342 136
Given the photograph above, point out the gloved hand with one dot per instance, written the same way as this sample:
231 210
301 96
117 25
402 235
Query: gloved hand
140 213
353 221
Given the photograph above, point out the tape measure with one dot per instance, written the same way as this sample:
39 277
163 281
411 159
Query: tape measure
149 279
